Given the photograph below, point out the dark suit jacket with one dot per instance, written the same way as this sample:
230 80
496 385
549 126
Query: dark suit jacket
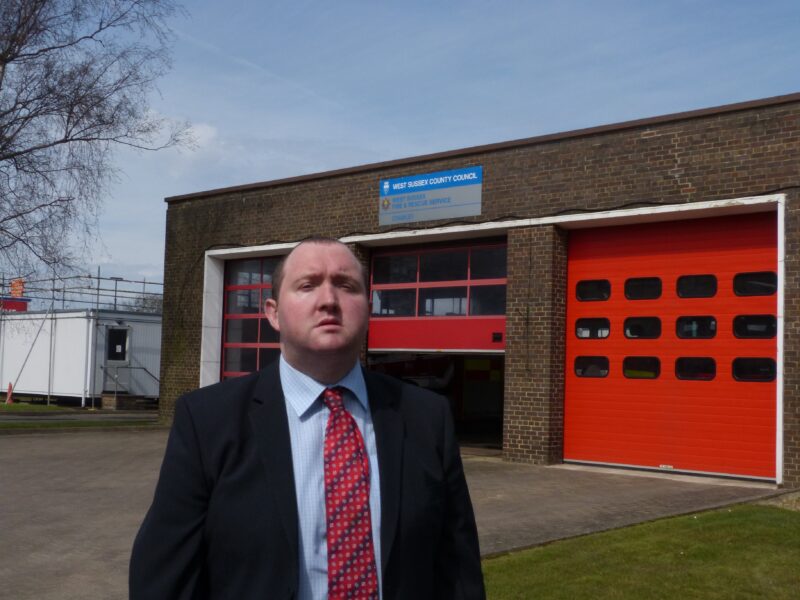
223 523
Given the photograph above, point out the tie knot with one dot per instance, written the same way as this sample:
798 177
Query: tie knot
333 398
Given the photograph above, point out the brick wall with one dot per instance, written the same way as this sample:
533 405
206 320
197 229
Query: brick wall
791 359
533 409
724 154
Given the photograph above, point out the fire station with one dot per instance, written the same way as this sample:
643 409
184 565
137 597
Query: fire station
624 295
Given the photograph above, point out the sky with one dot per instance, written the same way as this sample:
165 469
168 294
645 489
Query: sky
289 87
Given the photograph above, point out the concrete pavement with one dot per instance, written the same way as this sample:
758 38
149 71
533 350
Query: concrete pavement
71 504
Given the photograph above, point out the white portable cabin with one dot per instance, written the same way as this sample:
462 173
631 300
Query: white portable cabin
81 353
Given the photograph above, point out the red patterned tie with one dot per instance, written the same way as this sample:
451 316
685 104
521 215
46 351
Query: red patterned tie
352 573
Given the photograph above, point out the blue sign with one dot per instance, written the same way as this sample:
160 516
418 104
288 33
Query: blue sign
431 196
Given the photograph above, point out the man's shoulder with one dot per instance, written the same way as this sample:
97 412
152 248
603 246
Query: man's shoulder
222 395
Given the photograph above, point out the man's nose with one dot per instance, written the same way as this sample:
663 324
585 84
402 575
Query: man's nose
328 295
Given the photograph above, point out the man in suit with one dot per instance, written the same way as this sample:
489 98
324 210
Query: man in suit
248 502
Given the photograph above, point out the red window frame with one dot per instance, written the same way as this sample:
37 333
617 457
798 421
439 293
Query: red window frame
444 332
264 288
417 285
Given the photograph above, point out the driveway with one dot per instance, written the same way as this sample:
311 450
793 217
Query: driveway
70 505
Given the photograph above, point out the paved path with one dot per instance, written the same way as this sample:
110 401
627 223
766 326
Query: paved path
70 505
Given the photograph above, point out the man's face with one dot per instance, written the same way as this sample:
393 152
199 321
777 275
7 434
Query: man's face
322 308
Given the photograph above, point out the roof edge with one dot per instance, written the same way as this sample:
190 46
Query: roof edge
539 139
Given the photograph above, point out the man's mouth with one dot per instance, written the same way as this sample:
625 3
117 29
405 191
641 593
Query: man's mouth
326 322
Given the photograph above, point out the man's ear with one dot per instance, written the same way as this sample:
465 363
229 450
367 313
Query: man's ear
271 312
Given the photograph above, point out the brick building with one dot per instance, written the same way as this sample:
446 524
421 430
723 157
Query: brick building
620 295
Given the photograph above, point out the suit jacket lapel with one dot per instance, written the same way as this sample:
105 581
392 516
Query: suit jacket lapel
271 428
388 424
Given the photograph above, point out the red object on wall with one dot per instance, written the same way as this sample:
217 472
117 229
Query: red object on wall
438 333
14 304
713 423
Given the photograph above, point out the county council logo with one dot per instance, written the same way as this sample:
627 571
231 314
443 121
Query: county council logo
386 204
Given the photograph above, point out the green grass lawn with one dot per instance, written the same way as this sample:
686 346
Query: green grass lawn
30 407
74 424
746 551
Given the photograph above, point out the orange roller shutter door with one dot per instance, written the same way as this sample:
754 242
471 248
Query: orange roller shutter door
690 378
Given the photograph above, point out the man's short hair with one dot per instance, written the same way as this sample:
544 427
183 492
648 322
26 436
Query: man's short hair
277 274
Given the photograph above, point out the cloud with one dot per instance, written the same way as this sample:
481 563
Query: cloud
288 88
203 134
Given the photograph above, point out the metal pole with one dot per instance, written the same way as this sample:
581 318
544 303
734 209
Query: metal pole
116 281
52 334
93 357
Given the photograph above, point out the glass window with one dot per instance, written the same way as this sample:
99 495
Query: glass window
695 368
267 355
697 286
117 344
244 272
394 303
488 263
641 367
644 328
754 369
244 302
762 283
755 326
643 288
268 335
240 359
269 265
441 302
696 327
395 269
594 328
241 331
487 300
591 366
256 273
593 289
443 266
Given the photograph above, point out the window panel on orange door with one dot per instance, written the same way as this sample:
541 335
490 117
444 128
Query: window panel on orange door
641 367
696 286
759 283
699 328
755 326
591 366
754 369
592 328
645 328
592 290
643 288
696 368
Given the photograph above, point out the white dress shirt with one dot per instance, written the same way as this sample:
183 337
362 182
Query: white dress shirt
307 419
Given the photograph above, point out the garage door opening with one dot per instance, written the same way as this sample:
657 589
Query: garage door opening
472 383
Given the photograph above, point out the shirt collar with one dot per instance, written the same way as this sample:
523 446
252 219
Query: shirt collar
301 390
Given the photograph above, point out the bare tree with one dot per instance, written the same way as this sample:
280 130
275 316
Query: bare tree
146 303
75 76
